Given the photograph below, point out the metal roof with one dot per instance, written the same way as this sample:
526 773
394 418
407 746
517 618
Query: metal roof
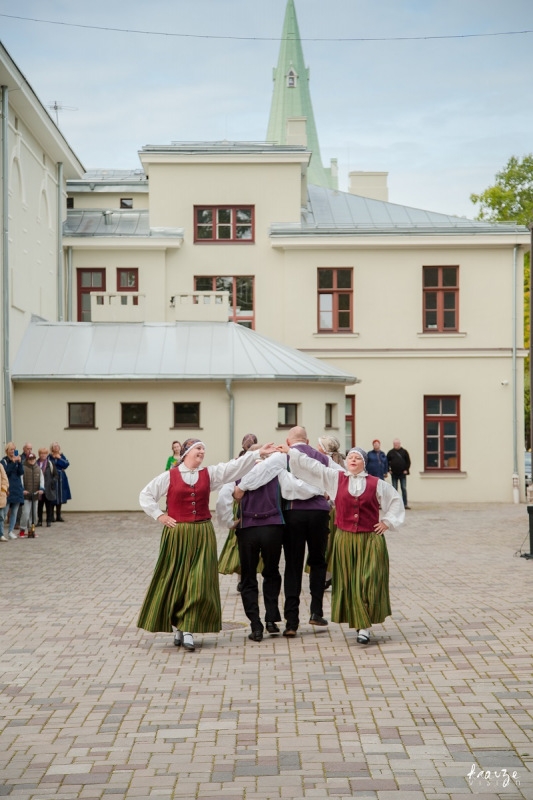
341 213
191 351
114 222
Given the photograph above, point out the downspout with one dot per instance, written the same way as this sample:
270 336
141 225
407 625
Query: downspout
69 283
231 418
60 259
516 479
6 372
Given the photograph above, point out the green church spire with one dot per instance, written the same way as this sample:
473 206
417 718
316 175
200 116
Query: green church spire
291 98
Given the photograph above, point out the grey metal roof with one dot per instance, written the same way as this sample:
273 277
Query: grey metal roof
223 147
191 351
107 180
95 222
341 213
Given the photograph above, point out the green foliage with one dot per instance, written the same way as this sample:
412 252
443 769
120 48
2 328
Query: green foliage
511 197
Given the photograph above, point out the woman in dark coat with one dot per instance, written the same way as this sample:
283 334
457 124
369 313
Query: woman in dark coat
15 497
61 463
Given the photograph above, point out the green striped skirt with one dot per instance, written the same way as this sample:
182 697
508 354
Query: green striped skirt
228 561
359 567
184 589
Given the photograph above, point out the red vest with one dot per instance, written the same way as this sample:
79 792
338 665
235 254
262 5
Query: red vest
356 513
189 503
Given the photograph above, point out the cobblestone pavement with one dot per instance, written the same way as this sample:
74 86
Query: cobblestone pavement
92 707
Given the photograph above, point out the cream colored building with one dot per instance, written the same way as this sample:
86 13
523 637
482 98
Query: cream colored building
425 309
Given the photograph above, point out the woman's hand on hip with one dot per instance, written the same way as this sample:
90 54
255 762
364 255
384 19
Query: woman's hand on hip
381 527
167 520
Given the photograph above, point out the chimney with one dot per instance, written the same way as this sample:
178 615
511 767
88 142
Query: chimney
369 184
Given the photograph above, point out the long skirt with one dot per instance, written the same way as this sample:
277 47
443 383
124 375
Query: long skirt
360 579
184 589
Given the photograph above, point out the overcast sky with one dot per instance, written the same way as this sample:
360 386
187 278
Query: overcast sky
440 115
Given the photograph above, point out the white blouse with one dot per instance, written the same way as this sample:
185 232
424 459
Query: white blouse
219 474
391 504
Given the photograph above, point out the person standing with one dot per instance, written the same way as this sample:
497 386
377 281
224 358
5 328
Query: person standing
33 482
360 560
399 466
12 464
175 457
61 463
184 592
48 498
4 486
378 463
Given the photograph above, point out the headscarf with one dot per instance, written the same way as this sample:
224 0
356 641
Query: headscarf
248 440
362 453
188 445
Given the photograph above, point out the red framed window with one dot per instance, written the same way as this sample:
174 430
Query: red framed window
335 300
441 299
127 279
224 224
349 421
441 433
88 280
241 295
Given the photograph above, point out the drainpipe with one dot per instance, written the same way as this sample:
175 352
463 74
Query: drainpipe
6 372
69 283
516 478
60 259
231 418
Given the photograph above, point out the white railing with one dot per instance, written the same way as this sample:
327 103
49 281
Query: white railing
117 307
200 306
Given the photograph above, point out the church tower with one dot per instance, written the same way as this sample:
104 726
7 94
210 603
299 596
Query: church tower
291 113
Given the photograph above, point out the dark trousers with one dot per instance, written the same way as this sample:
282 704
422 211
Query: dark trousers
253 542
403 485
49 505
303 528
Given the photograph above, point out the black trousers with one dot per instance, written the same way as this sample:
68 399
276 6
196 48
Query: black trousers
303 528
49 505
253 542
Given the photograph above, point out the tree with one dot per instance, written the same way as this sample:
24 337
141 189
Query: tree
511 200
511 197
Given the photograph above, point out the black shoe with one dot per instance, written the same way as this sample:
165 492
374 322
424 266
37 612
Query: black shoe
315 619
256 636
239 586
39 524
272 627
408 508
48 524
289 632
327 584
59 519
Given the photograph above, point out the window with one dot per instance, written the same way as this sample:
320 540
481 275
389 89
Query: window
331 415
134 415
126 202
241 296
89 280
291 79
70 202
287 415
441 431
229 224
186 415
349 421
81 415
335 300
128 280
441 299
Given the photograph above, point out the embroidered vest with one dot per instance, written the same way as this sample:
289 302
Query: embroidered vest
356 513
189 503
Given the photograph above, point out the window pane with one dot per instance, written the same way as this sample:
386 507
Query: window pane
203 284
349 435
126 202
224 231
344 278
344 320
449 301
432 428
348 406
244 232
449 276
244 215
449 320
432 460
431 320
187 414
97 279
432 405
286 414
449 405
224 215
431 301
204 232
245 295
431 276
81 415
204 216
344 302
86 279
85 308
325 279
127 279
134 415
329 415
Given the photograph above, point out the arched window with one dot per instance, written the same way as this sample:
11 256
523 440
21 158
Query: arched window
292 79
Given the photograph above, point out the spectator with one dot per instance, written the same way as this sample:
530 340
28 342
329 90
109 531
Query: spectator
61 463
175 457
48 498
4 486
399 466
378 463
12 464
33 482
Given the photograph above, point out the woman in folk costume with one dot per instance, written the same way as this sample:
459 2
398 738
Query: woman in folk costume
184 593
359 557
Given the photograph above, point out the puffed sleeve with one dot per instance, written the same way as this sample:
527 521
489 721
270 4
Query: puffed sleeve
313 472
224 506
392 508
152 493
229 471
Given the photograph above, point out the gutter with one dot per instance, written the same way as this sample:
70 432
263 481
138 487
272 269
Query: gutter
6 377
231 418
516 478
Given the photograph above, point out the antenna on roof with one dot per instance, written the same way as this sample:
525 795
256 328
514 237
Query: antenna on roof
57 106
